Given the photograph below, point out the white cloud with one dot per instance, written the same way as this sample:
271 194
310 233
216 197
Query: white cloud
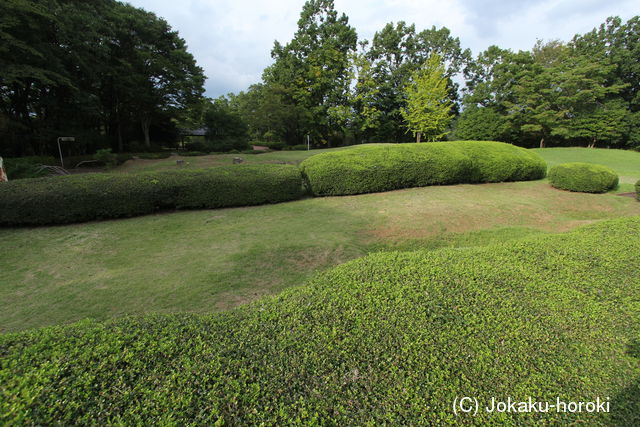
232 39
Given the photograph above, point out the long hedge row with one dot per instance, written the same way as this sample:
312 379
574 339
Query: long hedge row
583 177
373 168
75 198
393 338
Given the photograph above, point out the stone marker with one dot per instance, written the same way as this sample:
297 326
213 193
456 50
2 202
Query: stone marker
237 160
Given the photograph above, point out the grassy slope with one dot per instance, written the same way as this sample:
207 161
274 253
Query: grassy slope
290 157
625 163
391 338
202 261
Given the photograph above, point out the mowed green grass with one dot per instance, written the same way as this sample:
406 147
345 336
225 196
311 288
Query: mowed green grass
198 162
204 261
625 163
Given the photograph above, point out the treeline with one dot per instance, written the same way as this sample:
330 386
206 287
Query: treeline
327 84
108 73
117 76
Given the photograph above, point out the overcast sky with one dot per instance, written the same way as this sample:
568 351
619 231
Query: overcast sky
232 39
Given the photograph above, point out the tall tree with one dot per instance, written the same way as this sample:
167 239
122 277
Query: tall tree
97 70
428 110
312 71
561 88
395 53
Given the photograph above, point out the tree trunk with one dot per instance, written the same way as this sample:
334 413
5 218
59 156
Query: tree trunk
119 126
418 136
3 175
593 143
542 143
119 130
145 122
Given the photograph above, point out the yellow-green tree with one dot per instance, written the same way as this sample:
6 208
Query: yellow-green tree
428 110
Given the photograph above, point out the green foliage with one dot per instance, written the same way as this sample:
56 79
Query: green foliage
310 75
583 177
226 130
428 110
373 168
103 70
579 93
297 147
562 94
27 167
392 338
77 198
395 53
638 190
106 157
481 124
273 145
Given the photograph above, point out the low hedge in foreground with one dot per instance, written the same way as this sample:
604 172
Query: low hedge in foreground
75 198
583 177
383 167
392 338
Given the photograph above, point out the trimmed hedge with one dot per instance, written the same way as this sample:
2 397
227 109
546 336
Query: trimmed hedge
372 168
392 338
76 198
583 177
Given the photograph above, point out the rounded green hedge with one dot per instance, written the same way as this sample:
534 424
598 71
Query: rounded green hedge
76 198
389 339
383 167
583 177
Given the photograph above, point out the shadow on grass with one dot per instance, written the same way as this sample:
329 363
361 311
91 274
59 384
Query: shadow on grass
625 406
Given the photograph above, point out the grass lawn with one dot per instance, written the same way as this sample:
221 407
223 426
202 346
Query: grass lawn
203 261
196 162
625 163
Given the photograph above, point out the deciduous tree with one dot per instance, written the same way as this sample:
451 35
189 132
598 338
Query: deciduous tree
428 110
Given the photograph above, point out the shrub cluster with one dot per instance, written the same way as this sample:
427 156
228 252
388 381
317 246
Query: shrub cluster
273 145
75 198
152 155
219 145
298 147
27 167
638 190
371 168
583 177
392 338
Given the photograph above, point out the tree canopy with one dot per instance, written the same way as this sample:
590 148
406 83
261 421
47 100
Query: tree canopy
117 76
104 71
428 107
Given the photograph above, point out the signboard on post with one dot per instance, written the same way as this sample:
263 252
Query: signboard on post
64 139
